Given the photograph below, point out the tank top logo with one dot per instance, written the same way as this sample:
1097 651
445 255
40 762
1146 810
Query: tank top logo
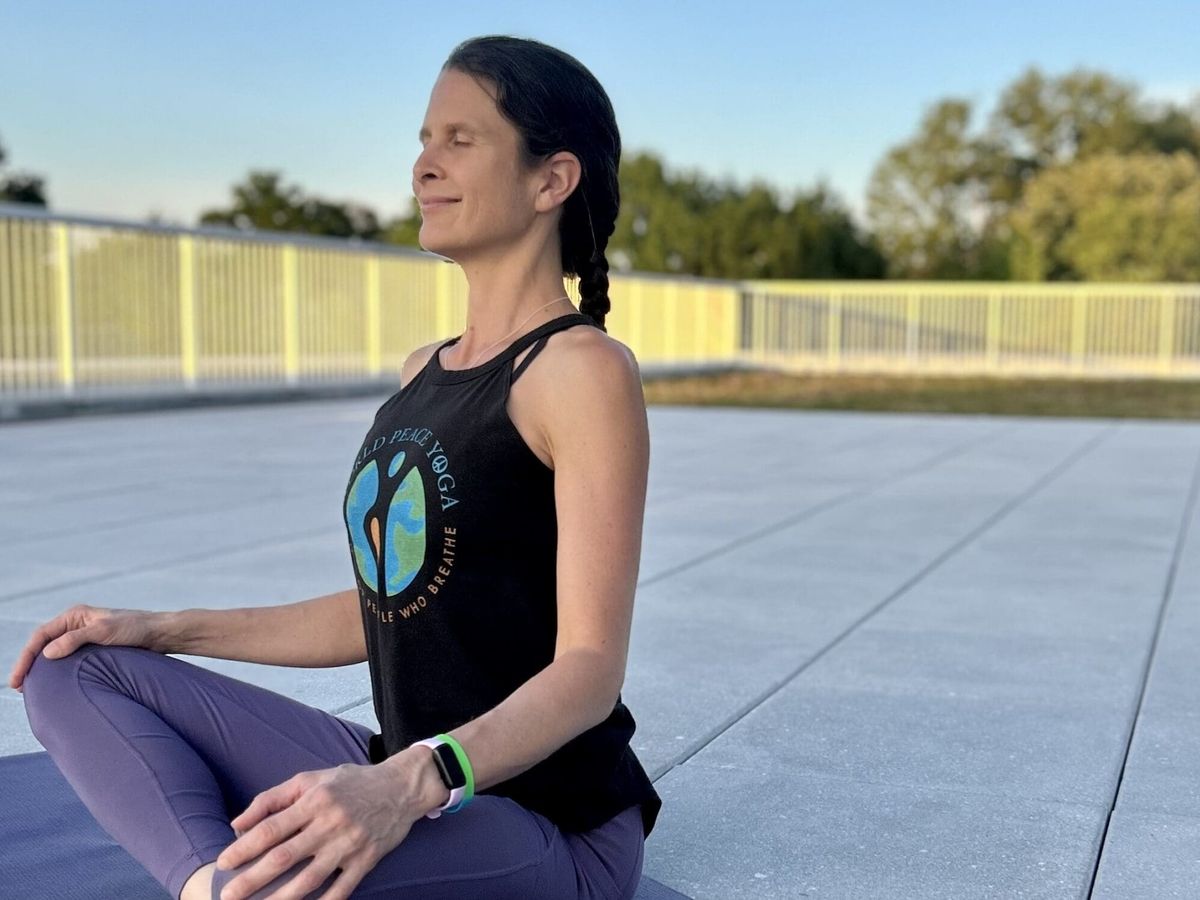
387 519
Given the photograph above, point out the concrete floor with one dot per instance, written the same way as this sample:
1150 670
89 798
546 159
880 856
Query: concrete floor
872 654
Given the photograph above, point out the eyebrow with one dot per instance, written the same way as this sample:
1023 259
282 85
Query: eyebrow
453 126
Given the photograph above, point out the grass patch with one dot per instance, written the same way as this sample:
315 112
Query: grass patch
1147 399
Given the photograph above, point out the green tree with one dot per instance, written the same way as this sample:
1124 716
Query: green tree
826 243
658 228
21 187
939 204
1170 128
263 201
1053 121
927 199
1041 122
693 225
1111 218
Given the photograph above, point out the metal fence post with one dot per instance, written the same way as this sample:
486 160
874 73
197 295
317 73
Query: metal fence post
66 310
1078 329
671 325
835 331
374 323
991 337
911 325
187 310
291 317
1166 333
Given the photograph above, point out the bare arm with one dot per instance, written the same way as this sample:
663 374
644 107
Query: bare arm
324 631
317 633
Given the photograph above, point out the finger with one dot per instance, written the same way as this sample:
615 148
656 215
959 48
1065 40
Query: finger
352 871
44 633
260 836
34 646
328 875
269 865
69 643
317 875
272 800
60 625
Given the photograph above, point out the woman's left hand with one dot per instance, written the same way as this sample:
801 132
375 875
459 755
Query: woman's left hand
348 817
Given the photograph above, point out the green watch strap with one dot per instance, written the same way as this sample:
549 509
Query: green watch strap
461 756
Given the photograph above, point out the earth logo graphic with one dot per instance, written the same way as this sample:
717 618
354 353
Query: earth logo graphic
386 521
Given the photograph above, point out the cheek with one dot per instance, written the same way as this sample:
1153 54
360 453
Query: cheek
497 207
519 198
496 199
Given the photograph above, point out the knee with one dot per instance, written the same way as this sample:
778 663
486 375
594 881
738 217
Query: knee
44 672
46 686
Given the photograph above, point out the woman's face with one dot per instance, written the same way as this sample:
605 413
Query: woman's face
470 155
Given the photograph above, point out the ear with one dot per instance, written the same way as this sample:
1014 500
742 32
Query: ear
560 176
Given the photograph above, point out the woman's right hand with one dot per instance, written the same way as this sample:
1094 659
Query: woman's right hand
83 624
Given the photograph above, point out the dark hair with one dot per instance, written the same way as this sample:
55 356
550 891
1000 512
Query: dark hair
556 104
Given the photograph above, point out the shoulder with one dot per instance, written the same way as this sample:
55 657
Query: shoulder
586 352
417 360
589 390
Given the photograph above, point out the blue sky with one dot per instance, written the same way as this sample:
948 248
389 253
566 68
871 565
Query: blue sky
130 108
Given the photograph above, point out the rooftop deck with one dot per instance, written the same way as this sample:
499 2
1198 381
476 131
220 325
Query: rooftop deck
873 654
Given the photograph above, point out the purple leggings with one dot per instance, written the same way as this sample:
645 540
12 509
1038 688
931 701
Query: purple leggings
164 753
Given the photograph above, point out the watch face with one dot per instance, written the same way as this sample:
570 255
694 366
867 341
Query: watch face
448 765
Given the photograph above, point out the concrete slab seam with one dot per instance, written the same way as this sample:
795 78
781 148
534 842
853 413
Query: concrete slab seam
1168 591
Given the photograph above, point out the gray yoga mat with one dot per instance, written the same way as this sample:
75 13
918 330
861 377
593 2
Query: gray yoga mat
51 847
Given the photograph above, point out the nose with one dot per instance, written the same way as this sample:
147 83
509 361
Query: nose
426 164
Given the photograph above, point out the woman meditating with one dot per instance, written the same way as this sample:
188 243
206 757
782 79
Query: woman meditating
493 514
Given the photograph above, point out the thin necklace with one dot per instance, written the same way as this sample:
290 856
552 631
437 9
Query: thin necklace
518 328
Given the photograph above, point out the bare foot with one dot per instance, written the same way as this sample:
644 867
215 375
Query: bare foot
199 886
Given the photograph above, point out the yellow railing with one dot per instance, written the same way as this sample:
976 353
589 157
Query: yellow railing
87 302
971 327
90 303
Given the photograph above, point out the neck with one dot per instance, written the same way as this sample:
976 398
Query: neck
505 292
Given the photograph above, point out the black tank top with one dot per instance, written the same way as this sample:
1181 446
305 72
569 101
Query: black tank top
453 533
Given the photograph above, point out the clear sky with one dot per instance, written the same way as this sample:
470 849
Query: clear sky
132 108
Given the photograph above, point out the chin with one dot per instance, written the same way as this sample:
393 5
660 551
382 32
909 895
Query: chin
432 245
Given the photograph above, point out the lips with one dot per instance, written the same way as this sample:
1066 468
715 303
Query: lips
437 202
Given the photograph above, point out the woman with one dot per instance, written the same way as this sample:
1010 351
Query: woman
495 528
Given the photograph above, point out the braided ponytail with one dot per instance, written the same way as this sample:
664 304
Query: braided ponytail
593 288
583 255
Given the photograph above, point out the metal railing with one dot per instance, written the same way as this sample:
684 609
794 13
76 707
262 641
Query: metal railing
88 303
1049 329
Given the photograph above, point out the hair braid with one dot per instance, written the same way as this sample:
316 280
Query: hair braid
591 265
593 288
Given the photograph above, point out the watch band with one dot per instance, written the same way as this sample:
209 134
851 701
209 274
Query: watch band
455 771
460 755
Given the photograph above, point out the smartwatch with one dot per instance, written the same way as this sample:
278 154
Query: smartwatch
455 773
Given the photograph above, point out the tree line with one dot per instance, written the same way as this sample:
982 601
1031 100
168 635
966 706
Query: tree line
1072 178
20 187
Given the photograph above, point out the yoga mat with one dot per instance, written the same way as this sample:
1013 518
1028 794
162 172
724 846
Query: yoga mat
52 849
